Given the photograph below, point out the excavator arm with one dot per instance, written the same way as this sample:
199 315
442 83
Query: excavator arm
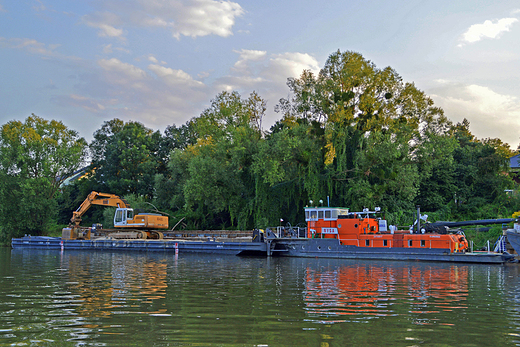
96 198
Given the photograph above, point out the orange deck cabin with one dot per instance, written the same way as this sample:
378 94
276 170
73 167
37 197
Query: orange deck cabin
364 229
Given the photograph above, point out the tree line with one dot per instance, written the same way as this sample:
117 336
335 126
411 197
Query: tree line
352 135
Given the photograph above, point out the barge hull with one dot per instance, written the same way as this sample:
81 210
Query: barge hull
331 248
181 246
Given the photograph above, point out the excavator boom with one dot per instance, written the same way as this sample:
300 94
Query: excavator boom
95 198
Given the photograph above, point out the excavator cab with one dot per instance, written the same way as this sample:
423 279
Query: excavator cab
122 216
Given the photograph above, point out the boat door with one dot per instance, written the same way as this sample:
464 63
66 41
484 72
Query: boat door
398 240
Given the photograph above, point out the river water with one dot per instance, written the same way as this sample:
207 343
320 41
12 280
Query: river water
87 298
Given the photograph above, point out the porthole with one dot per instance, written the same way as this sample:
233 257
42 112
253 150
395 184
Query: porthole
303 247
329 248
339 226
319 247
355 225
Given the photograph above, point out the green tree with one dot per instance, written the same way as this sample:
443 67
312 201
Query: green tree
479 173
126 158
215 172
372 124
36 156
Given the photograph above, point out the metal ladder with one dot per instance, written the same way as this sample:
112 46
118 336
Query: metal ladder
500 245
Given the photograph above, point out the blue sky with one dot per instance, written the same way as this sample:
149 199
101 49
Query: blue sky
161 62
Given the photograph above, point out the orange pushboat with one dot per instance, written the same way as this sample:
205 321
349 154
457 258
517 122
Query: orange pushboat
338 233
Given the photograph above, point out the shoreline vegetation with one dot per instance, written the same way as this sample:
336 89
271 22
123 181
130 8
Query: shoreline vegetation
354 134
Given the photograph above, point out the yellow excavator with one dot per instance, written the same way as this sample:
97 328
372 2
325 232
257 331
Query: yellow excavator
140 226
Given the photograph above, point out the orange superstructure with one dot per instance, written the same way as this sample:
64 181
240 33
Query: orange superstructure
364 229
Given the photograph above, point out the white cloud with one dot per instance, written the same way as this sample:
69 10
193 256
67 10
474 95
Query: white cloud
35 47
176 77
124 69
490 114
206 17
488 29
247 55
107 49
39 6
293 64
191 18
106 22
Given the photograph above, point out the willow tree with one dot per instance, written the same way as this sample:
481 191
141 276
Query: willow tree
36 156
215 172
373 124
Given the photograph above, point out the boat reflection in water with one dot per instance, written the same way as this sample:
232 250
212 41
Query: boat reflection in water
360 291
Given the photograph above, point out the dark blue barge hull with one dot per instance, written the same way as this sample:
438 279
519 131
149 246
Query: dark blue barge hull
331 248
182 246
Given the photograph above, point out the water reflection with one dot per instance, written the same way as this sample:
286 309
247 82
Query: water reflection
107 299
362 290
113 284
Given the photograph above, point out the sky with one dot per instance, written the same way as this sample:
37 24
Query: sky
161 62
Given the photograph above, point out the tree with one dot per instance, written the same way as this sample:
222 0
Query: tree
126 158
372 125
479 172
36 156
215 174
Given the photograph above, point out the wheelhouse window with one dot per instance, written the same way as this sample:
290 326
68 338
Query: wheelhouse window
423 243
410 244
311 215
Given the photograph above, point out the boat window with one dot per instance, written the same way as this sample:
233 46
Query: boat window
342 212
311 215
328 213
320 214
423 243
367 243
409 243
385 243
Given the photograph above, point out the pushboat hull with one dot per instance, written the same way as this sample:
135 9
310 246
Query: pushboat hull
331 248
513 237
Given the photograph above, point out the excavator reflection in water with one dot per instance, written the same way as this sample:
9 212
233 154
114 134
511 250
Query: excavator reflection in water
373 290
128 283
